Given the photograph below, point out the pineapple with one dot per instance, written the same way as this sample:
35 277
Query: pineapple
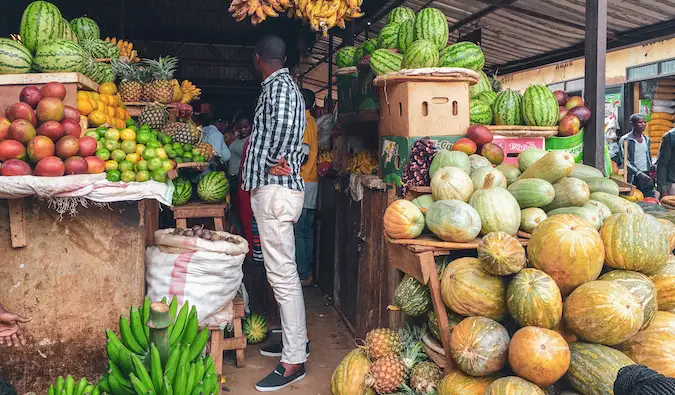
425 378
184 133
130 87
206 150
383 342
155 116
162 71
386 375
413 348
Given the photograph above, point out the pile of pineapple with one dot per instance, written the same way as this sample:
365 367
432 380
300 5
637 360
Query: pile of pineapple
104 107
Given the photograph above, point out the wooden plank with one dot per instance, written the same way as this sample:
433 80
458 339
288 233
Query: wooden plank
429 266
359 117
234 343
424 242
217 349
82 80
17 223
406 261
151 208
636 97
199 210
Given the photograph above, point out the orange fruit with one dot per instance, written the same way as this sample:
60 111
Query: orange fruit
95 96
82 95
110 111
119 113
107 88
104 99
109 120
94 104
96 118
84 106
127 134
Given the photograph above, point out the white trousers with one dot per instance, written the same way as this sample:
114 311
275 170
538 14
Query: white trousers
276 209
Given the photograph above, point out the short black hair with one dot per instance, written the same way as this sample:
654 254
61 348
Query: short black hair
635 118
205 119
271 49
309 97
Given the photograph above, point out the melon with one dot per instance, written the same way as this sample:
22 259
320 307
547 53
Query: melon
598 184
669 227
41 22
654 349
403 220
388 36
539 355
451 183
453 220
533 299
532 192
664 281
501 254
477 162
479 346
569 192
469 290
483 85
384 61
507 108
406 36
529 156
640 286
487 177
594 367
14 57
530 218
444 158
431 25
585 172
432 321
603 211
511 172
480 112
465 55
401 14
540 107
420 54
345 57
498 209
551 167
589 214
350 376
412 297
616 204
423 202
513 385
459 383
84 28
662 321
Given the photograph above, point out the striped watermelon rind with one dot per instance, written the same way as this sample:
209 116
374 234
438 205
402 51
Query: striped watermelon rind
388 37
182 191
383 61
369 46
488 97
85 27
412 297
540 107
507 109
15 58
480 112
406 35
95 47
345 57
59 55
431 25
213 187
113 50
422 53
483 85
68 32
464 54
41 21
401 14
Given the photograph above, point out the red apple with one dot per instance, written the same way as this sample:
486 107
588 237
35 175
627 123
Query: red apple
54 89
72 128
50 166
480 134
88 146
39 148
76 165
50 109
71 113
51 129
561 97
21 111
95 165
14 167
569 126
30 95
66 147
574 101
4 128
22 131
465 145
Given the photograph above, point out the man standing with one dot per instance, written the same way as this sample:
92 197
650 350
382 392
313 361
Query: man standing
271 171
639 161
304 229
665 165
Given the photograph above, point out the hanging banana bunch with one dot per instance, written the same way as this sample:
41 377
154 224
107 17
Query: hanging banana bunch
258 10
126 49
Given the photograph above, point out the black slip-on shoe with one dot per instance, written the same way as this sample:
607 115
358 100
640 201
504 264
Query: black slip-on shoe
275 350
276 380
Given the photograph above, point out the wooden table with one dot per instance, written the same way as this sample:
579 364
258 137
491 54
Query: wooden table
201 210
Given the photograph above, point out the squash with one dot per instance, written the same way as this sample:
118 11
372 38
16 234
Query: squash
603 312
467 289
423 202
350 376
459 383
664 281
532 192
529 156
479 346
513 385
568 249
594 367
585 172
640 286
412 297
616 204
453 220
590 215
663 321
569 192
602 209
451 183
606 185
432 321
501 254
654 349
511 172
444 158
552 167
478 161
530 218
533 299
669 227
635 242
539 355
488 177
498 210
403 220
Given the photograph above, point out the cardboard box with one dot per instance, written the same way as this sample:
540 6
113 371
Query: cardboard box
395 154
513 146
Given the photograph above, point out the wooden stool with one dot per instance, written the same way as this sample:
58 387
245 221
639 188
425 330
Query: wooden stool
200 210
238 343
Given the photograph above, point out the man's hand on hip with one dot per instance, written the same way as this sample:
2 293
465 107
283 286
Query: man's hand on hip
281 168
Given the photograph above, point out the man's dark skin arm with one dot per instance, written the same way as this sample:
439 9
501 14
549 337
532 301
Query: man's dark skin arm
665 151
10 333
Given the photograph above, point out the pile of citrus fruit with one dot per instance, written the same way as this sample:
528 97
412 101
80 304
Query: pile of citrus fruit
104 107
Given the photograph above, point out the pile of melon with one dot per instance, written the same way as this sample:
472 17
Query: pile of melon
593 291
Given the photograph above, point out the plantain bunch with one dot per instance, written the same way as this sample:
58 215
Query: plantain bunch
126 49
190 91
258 10
322 15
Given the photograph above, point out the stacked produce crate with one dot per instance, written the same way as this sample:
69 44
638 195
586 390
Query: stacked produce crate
663 113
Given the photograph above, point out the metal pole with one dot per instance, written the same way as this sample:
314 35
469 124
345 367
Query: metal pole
596 51
329 99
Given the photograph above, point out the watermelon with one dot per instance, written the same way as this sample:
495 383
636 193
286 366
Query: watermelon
401 14
412 297
14 57
41 21
59 55
369 46
84 28
345 57
422 53
480 112
182 191
540 107
97 48
431 25
68 32
388 37
255 328
507 108
483 85
113 50
358 54
488 97
464 54
406 35
383 61
213 187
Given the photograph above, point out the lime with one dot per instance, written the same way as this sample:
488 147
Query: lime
118 155
199 158
177 145
167 164
149 153
142 176
161 135
134 128
128 176
111 165
99 145
142 165
187 147
159 175
196 152
171 153
153 144
103 153
111 145
93 133
128 146
113 175
179 160
112 134
179 151
133 157
125 165
101 130
161 153
140 148
143 137
154 164
130 122
145 127
166 139
188 155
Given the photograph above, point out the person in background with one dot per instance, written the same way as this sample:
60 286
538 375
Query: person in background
639 160
665 165
640 380
212 135
10 331
304 228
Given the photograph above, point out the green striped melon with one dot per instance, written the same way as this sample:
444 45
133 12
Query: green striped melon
255 328
59 55
97 48
14 57
540 107
213 187
431 25
422 53
412 297
359 54
464 54
401 14
406 35
483 85
369 46
182 191
345 57
594 367
383 61
68 32
488 97
113 50
507 109
388 37
84 28
41 21
480 112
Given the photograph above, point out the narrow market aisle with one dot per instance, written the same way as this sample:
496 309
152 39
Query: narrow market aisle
331 341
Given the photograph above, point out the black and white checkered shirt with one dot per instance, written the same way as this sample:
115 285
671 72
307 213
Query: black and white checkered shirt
278 129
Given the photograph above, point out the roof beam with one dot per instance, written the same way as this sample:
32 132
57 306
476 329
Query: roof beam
474 17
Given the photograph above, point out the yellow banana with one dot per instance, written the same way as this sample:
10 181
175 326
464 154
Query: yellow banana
253 5
268 10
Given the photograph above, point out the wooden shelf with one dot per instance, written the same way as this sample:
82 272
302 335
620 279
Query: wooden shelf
173 173
430 243
80 79
359 117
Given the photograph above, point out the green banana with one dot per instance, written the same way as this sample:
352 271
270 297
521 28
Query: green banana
142 373
114 345
156 371
113 370
171 364
146 316
180 381
168 388
70 385
89 389
191 379
96 391
125 364
128 337
104 384
200 369
179 325
139 386
198 390
51 390
191 328
210 383
199 343
183 362
137 328
208 364
164 299
173 307
79 390
60 385
117 388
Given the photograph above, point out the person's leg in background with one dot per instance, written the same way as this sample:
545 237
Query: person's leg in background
308 245
303 260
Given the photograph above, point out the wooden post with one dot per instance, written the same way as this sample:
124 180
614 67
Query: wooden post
596 50
329 100
17 223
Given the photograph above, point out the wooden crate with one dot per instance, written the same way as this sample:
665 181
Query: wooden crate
12 84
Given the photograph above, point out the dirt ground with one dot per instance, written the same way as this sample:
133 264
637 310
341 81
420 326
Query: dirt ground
330 342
